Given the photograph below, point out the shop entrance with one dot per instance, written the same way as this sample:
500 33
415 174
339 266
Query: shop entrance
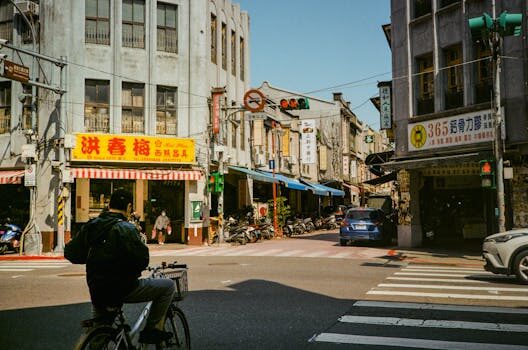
16 208
455 212
168 196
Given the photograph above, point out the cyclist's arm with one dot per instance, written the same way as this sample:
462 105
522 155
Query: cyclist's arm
134 252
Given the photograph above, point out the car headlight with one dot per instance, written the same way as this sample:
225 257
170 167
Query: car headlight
505 238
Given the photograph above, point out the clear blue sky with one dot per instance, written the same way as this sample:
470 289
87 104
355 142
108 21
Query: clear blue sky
309 45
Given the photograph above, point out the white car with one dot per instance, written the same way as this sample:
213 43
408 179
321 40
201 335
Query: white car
507 253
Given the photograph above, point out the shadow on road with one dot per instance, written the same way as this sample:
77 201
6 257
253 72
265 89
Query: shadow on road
254 314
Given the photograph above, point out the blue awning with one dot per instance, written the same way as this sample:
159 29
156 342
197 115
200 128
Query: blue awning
256 175
322 190
288 182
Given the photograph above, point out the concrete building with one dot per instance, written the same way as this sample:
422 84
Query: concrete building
442 94
138 79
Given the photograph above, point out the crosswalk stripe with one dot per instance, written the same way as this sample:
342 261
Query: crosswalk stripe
445 271
412 322
412 343
433 274
267 252
429 267
439 307
241 252
340 255
449 280
290 253
449 296
315 254
438 286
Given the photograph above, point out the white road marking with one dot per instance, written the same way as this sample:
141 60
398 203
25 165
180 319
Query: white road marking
450 280
440 307
428 267
411 343
267 252
411 322
315 254
445 271
241 252
431 274
438 286
290 253
449 296
340 255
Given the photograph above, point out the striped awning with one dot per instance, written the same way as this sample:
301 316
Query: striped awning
11 177
136 174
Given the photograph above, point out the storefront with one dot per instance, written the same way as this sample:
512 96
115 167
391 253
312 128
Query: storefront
149 173
17 207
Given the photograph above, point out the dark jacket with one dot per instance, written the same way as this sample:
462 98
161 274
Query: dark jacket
115 258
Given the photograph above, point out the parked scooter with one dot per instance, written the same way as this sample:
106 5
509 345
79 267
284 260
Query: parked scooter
330 223
10 236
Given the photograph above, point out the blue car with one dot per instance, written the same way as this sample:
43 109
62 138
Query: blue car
367 225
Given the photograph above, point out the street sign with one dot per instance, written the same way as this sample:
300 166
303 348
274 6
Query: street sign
271 164
16 71
254 100
257 116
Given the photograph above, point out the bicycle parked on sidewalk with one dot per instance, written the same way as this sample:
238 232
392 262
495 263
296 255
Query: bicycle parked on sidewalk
113 332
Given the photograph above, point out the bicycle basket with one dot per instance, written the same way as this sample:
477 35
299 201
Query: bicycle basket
180 278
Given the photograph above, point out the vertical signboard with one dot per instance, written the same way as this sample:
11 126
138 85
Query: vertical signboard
308 142
216 111
385 106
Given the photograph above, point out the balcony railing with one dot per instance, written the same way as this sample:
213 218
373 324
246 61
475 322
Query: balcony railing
97 122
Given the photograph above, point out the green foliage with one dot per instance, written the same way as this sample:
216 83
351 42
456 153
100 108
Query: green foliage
283 210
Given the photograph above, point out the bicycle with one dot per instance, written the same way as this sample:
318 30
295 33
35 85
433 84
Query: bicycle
113 332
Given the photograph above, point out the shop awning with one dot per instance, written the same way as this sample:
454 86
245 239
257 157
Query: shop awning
418 163
322 190
382 179
255 175
136 174
11 177
288 182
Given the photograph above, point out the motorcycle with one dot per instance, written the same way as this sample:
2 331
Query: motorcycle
10 236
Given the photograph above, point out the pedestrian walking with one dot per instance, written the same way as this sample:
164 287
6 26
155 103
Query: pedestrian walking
162 225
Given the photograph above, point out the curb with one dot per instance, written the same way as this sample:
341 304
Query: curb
30 257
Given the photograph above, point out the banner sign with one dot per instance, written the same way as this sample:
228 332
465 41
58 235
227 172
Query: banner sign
216 112
385 107
308 142
132 149
452 131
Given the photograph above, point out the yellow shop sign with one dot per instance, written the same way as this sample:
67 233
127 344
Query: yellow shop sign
132 149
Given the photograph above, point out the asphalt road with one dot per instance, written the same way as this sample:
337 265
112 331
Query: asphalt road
246 301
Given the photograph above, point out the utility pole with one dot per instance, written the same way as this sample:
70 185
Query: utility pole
491 30
275 218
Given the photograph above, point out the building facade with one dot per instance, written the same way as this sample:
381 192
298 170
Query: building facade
136 112
442 106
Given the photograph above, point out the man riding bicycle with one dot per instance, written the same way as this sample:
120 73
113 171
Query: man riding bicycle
114 255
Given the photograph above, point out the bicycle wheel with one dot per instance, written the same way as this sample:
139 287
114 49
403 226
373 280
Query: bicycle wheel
176 323
98 338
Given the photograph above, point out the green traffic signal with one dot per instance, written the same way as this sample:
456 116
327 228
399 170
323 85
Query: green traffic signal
510 24
219 182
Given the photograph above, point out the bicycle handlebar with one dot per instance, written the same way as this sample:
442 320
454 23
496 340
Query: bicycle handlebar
164 265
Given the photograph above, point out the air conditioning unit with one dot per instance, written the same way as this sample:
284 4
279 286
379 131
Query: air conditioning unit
27 7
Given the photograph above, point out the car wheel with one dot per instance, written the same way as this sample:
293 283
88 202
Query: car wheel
520 266
343 242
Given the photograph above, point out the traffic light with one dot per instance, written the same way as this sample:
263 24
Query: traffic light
510 24
480 26
294 103
211 183
487 173
219 182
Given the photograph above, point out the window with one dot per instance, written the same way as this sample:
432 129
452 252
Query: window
5 107
454 94
242 59
484 74
233 53
167 28
25 29
213 38
26 107
97 25
101 189
132 116
96 106
6 21
166 115
425 79
422 8
224 46
242 132
134 23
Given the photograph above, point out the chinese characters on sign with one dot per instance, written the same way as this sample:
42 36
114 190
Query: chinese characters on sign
142 149
308 142
457 130
385 107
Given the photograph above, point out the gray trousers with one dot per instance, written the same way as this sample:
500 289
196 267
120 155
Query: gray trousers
159 290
